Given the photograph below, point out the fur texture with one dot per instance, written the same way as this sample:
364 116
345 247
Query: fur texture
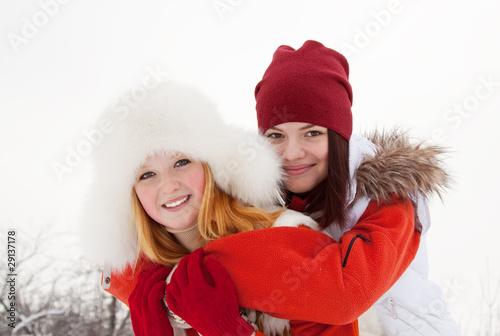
401 167
272 326
369 324
170 119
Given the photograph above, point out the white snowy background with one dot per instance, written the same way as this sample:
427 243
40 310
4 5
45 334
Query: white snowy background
428 66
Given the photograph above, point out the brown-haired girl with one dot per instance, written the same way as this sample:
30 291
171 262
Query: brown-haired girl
350 185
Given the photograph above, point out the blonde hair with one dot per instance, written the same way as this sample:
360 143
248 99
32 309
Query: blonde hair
220 215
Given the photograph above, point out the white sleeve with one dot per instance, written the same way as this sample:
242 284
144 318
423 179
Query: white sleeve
422 216
291 218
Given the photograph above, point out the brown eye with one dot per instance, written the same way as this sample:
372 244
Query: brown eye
314 133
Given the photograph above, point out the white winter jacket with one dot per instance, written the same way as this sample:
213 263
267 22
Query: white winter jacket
414 305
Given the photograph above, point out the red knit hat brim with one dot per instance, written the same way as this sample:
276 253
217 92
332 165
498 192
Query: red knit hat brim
306 85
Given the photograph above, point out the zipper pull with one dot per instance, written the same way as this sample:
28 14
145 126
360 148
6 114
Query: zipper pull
364 238
106 276
393 309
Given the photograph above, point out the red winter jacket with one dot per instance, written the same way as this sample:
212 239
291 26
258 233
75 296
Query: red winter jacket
304 275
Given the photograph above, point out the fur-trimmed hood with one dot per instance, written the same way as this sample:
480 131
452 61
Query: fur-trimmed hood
395 164
170 119
385 163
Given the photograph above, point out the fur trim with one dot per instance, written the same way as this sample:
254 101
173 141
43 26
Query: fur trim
401 167
369 324
273 326
292 218
170 119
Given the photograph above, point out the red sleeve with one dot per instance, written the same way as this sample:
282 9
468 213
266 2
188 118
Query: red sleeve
301 274
122 283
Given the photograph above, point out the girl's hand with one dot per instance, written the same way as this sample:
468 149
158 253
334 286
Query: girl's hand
147 312
204 296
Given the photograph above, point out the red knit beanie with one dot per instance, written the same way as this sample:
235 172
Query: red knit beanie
307 85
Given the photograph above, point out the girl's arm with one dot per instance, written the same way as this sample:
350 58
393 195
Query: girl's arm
301 274
131 287
121 284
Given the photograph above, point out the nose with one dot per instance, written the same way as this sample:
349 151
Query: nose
169 184
292 150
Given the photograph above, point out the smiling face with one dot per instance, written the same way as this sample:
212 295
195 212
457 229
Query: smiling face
170 189
304 150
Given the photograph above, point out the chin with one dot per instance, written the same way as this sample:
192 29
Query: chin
301 187
298 189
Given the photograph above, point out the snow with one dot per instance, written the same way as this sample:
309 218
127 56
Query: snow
27 320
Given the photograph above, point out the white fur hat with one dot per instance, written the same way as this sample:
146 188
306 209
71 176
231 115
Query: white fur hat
174 119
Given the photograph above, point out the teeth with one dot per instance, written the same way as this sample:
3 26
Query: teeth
177 203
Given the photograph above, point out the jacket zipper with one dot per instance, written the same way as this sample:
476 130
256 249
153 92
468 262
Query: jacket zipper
394 311
350 246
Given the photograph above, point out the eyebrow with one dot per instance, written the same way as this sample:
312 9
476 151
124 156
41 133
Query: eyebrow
144 165
143 169
300 129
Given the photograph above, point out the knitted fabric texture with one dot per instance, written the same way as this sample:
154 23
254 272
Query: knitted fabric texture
308 85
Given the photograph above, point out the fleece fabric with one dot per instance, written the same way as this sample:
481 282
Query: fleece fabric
386 163
366 262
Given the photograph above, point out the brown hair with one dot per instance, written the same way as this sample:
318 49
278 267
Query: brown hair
329 198
220 215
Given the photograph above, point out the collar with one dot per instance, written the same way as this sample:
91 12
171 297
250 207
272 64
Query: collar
359 147
188 238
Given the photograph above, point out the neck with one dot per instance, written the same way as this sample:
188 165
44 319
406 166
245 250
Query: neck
188 238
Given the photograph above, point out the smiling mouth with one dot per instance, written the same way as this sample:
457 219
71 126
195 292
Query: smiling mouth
297 170
176 203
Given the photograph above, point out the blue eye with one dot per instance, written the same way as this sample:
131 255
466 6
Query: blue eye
146 175
181 163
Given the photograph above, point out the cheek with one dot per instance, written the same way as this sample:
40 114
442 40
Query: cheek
201 184
197 182
146 198
198 186
278 148
322 151
322 155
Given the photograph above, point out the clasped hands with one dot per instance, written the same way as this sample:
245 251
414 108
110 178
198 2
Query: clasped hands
200 292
